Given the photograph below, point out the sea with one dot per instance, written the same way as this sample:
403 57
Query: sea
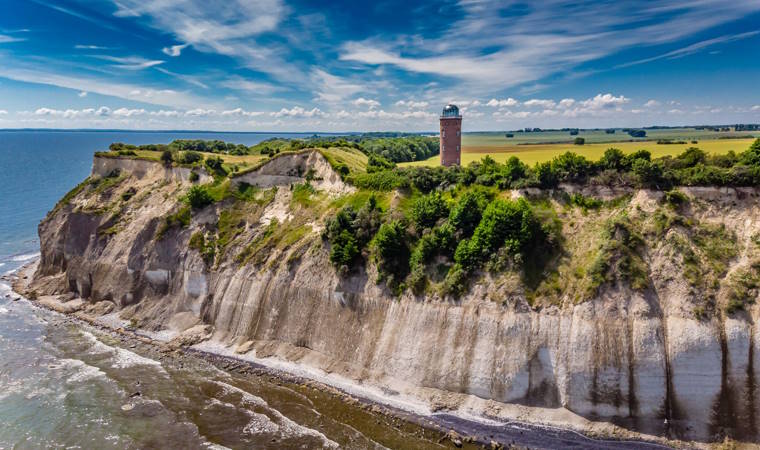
66 384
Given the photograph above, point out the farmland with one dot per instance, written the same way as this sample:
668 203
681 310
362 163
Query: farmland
543 146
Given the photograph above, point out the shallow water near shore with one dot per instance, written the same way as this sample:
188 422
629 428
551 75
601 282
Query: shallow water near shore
63 384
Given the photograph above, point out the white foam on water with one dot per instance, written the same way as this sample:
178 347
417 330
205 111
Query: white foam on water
25 257
122 358
82 371
288 427
4 310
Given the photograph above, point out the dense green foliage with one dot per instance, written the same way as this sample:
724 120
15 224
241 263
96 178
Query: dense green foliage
198 197
349 232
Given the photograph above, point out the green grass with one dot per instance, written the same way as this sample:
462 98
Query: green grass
532 154
351 157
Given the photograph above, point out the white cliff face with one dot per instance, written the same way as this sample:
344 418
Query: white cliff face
639 358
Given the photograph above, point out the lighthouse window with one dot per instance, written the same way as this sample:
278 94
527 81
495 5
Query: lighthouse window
443 133
457 132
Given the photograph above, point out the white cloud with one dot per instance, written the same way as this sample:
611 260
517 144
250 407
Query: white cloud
240 112
230 29
165 113
503 103
601 101
200 112
5 39
298 111
675 111
412 114
90 47
566 103
756 108
361 101
73 113
332 88
124 112
411 104
693 48
246 85
504 50
651 103
129 62
174 50
82 94
342 114
537 102
3 112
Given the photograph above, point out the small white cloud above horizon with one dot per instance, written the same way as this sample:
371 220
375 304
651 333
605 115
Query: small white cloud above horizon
82 94
651 103
174 50
370 103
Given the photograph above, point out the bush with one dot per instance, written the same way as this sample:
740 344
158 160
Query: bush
198 197
392 253
194 177
190 157
428 209
579 141
467 212
349 232
166 157
215 166
505 224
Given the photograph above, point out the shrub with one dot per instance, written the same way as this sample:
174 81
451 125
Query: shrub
579 141
190 157
428 209
376 163
392 253
349 232
676 198
198 197
166 157
194 177
216 165
129 193
571 167
467 212
504 224
614 159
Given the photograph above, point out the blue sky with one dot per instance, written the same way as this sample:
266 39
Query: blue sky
270 65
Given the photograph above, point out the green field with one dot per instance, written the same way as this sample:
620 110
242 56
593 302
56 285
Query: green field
476 146
498 139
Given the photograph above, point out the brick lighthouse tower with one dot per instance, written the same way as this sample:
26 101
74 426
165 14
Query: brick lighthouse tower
451 136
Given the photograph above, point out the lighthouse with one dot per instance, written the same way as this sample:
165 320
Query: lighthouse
451 136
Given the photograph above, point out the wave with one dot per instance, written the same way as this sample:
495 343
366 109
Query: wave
121 358
287 426
82 371
25 257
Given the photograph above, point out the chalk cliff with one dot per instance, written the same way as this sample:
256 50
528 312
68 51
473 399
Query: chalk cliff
675 357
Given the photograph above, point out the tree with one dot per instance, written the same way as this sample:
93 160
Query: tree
613 159
428 209
166 157
467 212
579 141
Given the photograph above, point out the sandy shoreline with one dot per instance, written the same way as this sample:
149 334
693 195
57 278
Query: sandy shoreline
454 428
